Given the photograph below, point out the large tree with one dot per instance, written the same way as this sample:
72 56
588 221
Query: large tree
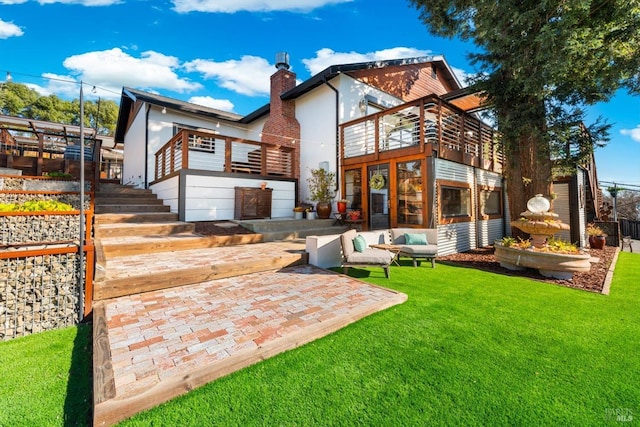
539 64
20 101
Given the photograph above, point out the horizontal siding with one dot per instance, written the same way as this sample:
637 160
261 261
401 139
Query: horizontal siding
452 171
169 191
212 198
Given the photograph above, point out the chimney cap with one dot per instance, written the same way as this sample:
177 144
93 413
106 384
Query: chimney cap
282 61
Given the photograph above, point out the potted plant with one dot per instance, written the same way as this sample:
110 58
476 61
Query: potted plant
311 214
342 205
321 184
597 237
298 211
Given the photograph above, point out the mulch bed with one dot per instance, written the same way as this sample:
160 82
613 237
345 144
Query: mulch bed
482 259
593 281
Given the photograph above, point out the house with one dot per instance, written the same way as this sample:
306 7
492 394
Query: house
402 137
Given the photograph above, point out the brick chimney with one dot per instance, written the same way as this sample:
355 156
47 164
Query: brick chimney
282 127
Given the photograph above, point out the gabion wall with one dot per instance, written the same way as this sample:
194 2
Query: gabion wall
38 293
22 229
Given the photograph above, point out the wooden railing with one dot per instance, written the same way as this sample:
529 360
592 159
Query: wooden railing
190 149
452 134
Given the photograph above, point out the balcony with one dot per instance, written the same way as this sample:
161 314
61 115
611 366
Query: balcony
428 125
191 149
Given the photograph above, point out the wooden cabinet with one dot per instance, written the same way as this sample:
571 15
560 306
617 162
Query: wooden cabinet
253 203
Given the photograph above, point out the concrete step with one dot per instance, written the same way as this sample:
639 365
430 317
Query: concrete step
291 229
100 209
122 246
271 236
112 218
143 229
266 225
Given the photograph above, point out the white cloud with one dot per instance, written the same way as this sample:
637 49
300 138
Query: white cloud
112 69
251 75
207 101
326 57
633 133
10 2
9 29
232 6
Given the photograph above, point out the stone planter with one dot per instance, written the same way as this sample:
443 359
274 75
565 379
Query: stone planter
298 215
549 264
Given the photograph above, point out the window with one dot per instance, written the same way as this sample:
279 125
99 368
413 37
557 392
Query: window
455 202
491 203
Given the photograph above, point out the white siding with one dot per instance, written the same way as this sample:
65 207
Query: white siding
134 152
210 198
169 191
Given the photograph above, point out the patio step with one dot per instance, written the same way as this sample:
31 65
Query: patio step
175 266
163 228
135 217
130 208
292 229
121 246
114 199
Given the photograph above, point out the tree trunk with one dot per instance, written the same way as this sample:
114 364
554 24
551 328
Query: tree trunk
527 159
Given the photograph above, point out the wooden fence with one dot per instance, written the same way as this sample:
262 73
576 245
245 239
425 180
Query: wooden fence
630 228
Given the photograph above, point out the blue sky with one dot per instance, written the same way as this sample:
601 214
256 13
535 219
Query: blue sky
221 53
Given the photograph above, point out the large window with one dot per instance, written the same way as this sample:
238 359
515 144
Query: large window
491 203
455 202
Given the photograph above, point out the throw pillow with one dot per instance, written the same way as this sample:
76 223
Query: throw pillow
415 239
359 243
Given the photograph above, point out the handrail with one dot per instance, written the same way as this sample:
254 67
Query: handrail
454 134
190 149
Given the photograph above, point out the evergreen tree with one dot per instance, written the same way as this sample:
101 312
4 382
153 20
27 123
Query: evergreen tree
539 64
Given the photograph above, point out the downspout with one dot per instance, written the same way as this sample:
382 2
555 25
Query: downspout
146 147
337 134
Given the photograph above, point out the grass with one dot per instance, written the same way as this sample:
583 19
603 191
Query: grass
467 348
45 379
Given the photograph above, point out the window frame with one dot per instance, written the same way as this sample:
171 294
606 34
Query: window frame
460 186
482 190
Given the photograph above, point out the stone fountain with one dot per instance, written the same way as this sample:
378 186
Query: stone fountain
541 224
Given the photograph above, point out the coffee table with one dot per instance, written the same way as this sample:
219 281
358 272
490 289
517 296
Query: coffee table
394 249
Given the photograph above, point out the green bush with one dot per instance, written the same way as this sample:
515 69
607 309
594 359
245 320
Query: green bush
36 206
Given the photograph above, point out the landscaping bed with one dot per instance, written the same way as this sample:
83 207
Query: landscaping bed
483 259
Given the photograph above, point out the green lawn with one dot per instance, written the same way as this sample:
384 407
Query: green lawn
467 348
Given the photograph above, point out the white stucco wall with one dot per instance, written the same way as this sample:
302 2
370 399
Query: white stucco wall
316 114
133 163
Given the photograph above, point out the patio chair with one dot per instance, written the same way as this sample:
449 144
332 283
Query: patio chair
359 254
422 244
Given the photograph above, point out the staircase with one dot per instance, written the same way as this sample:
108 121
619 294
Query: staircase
141 246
